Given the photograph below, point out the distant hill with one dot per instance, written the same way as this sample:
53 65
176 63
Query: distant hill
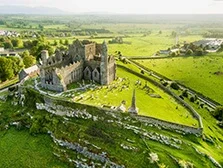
30 10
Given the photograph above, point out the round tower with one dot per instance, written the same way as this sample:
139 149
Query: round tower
44 56
104 64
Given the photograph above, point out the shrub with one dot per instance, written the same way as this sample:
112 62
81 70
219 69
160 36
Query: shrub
192 99
185 93
218 113
98 130
181 97
174 85
189 52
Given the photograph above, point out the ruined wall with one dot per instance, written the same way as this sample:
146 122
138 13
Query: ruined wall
98 49
111 70
57 88
71 73
93 64
77 49
90 51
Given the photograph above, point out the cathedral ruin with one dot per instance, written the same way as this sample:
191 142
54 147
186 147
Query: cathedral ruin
83 60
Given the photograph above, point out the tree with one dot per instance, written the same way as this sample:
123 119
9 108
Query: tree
189 52
29 60
66 42
25 53
192 99
174 85
36 50
41 27
199 52
173 34
17 64
61 41
6 71
28 44
17 43
55 43
218 113
173 54
185 93
8 44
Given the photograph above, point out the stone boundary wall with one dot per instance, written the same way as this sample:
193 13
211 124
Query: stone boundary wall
170 125
168 91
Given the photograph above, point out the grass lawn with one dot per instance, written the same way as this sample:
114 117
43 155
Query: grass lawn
203 74
20 149
165 107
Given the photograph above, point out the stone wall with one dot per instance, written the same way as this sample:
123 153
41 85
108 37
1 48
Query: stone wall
72 72
58 88
170 126
90 51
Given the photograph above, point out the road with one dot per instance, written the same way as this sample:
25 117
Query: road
6 88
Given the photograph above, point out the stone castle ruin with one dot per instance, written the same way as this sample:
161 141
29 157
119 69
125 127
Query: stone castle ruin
83 60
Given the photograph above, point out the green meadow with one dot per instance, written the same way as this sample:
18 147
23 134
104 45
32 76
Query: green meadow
203 74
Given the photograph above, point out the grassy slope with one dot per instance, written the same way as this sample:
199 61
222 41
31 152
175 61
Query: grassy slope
195 72
25 150
19 149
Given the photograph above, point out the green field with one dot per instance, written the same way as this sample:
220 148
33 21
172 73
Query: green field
164 107
203 74
136 45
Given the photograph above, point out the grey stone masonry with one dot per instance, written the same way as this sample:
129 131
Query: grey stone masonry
83 60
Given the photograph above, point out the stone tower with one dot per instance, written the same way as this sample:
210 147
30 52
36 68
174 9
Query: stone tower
104 64
133 109
44 56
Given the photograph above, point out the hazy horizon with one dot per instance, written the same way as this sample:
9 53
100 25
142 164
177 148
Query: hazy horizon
129 7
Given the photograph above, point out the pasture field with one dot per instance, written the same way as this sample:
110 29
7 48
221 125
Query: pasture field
203 74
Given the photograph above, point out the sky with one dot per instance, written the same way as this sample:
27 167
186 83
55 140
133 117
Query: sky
128 6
